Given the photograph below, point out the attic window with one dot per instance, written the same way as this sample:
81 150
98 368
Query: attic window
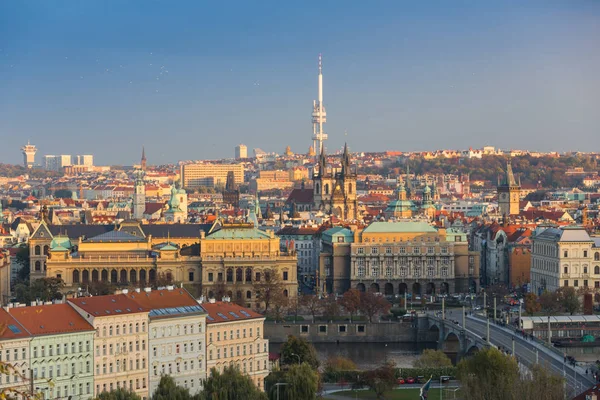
41 326
71 323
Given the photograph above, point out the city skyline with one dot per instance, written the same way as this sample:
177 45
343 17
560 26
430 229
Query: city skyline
81 79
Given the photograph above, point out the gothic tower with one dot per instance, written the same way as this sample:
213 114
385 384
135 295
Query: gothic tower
509 192
143 163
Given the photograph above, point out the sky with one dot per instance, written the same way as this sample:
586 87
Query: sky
192 79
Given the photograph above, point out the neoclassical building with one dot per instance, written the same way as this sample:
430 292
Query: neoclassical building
402 257
222 259
237 257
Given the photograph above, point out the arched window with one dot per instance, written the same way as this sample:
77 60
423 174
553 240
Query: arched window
597 256
248 294
38 250
285 293
38 266
230 275
317 188
75 276
46 248
350 188
248 274
239 275
597 269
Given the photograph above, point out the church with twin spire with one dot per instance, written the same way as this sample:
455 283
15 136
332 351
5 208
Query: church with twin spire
334 189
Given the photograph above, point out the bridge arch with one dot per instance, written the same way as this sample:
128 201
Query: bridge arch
472 350
451 343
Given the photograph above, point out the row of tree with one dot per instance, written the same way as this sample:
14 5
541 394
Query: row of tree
351 302
563 300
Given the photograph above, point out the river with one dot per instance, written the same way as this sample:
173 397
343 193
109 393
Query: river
369 355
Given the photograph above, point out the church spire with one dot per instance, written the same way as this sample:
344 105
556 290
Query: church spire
509 178
143 163
345 160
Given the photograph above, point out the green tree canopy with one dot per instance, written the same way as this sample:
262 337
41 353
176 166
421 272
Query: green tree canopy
432 359
297 350
118 394
168 390
230 384
381 379
532 305
569 299
44 289
301 383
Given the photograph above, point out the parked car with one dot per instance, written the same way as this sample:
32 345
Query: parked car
420 379
410 379
400 381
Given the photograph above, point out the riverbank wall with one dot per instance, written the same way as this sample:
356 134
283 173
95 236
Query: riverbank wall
415 331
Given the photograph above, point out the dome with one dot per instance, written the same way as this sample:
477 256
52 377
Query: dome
427 189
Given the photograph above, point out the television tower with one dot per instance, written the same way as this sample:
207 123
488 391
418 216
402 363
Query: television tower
29 151
319 116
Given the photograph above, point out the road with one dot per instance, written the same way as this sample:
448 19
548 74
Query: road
527 351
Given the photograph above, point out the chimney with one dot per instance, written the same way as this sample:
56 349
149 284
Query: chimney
125 291
147 289
138 290
170 287
212 300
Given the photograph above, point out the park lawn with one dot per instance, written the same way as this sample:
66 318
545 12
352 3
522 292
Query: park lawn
396 394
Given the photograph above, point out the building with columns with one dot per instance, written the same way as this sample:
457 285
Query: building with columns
405 257
238 256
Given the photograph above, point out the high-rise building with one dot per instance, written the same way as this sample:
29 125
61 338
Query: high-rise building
241 151
509 192
84 159
56 163
29 151
195 175
319 115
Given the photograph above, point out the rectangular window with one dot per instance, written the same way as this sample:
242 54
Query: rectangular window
585 253
566 269
285 275
374 250
565 253
566 283
210 277
585 283
342 328
361 250
322 328
191 276
576 283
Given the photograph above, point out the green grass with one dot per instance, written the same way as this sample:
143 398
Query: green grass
397 394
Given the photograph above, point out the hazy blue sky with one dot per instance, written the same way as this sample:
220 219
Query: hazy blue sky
191 79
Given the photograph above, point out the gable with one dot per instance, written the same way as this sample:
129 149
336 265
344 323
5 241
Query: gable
42 232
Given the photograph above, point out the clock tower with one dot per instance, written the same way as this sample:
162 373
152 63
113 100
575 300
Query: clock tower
509 193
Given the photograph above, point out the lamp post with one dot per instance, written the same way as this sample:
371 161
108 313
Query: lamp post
442 377
293 354
277 386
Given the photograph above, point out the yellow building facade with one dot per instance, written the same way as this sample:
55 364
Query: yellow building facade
120 342
238 257
234 337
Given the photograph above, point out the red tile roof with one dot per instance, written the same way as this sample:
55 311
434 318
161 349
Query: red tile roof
50 319
10 328
103 306
162 298
220 311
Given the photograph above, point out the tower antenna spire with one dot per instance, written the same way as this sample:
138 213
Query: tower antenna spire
319 115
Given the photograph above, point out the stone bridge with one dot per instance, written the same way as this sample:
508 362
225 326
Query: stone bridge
453 339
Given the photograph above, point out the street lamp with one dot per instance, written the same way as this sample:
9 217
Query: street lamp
442 378
277 386
293 354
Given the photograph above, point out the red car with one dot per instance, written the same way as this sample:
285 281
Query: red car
410 379
400 381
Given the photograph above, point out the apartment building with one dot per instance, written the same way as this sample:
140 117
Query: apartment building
121 339
14 349
60 350
235 338
176 336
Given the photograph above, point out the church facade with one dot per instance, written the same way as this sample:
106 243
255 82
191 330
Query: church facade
334 189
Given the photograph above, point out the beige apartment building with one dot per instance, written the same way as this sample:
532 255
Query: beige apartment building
235 338
195 175
121 342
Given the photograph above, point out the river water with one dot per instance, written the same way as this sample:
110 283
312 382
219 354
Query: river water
369 355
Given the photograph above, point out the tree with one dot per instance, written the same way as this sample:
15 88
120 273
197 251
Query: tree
23 260
549 302
432 359
330 307
569 299
532 305
351 302
372 304
168 390
312 303
269 289
488 374
297 350
44 289
302 382
118 394
230 384
335 366
540 384
381 379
